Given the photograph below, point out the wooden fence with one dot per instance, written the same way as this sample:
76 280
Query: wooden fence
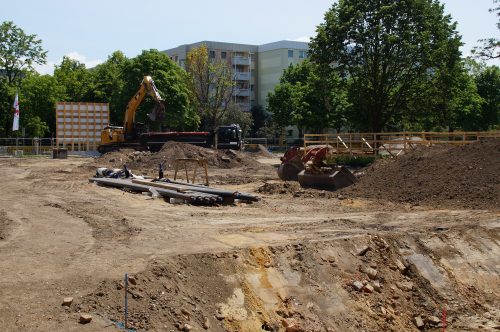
392 144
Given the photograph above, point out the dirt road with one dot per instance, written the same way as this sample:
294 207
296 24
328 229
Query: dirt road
288 260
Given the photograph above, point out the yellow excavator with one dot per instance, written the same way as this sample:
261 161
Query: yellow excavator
114 137
136 136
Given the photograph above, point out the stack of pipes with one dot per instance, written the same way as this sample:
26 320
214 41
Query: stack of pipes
189 193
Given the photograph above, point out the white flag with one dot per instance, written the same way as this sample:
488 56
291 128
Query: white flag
15 124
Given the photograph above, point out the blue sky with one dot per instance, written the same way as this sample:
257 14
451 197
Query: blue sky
90 30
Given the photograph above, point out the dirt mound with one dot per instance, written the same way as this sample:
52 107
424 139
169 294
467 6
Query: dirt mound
147 161
452 176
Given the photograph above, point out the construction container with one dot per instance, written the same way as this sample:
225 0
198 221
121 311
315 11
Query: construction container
59 153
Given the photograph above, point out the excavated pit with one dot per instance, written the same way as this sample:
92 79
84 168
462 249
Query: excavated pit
311 286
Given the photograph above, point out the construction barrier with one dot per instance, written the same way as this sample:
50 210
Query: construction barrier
391 144
20 147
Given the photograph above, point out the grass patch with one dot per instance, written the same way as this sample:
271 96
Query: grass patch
351 160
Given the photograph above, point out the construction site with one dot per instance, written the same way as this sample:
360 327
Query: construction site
410 243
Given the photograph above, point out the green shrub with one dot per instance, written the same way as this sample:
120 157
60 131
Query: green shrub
351 160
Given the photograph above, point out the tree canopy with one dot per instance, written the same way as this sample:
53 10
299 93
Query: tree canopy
307 100
19 52
172 83
384 49
212 85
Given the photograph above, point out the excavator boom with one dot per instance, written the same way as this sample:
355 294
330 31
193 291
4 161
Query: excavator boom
147 87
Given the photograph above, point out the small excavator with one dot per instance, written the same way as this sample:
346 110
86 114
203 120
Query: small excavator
310 168
136 136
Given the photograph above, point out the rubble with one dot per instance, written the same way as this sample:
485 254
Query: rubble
67 301
85 319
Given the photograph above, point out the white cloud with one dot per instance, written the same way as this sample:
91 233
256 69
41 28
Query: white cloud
83 59
48 68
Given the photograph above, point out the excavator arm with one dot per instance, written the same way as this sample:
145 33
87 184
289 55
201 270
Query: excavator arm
147 87
114 137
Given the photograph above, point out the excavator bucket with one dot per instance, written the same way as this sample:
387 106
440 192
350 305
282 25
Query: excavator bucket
340 177
291 165
158 112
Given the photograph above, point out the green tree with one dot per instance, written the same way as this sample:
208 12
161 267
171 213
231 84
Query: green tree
212 85
19 52
236 116
108 83
304 99
36 127
445 99
260 118
488 87
383 49
39 94
76 80
172 83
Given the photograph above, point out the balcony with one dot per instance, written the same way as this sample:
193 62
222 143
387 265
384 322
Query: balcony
242 76
242 92
239 60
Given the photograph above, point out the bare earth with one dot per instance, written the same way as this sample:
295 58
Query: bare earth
285 263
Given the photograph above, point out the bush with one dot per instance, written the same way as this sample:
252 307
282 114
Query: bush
351 160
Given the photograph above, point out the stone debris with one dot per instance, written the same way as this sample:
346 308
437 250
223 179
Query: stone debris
132 280
419 323
358 285
372 273
291 325
433 320
368 288
185 313
206 323
401 267
405 285
85 318
67 301
363 251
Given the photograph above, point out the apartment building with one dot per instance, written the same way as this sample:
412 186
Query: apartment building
256 68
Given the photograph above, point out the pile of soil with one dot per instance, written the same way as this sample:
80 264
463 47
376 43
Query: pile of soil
147 161
464 176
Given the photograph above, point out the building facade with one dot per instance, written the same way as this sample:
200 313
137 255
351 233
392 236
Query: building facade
256 68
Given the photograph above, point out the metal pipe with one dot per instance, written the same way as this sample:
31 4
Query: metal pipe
219 192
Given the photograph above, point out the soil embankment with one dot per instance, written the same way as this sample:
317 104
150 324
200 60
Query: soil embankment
441 176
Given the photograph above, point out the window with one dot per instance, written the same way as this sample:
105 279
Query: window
211 55
302 54
290 53
223 55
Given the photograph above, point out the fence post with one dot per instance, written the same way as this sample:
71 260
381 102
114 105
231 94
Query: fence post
404 145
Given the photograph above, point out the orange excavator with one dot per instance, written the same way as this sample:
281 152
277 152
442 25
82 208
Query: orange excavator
136 136
114 137
309 167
